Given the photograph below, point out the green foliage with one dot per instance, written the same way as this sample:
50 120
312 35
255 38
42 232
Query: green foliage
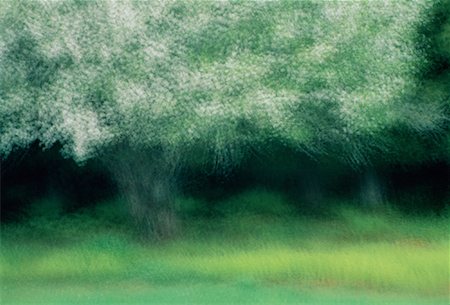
47 209
219 77
190 207
255 202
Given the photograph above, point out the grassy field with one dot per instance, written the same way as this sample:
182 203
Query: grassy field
256 249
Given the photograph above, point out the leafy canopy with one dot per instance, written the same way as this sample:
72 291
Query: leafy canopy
220 75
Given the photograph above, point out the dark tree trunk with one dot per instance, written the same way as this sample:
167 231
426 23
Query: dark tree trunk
313 193
147 180
312 184
371 188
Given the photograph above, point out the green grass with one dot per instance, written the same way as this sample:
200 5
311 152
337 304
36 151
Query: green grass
239 257
202 294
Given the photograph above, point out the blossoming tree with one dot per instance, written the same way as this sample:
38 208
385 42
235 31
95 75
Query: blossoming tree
146 86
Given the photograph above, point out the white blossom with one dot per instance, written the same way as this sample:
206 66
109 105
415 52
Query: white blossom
224 75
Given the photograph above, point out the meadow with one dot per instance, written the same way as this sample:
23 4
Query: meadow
253 248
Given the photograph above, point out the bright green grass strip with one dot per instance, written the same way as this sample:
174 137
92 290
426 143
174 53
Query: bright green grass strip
373 253
404 266
244 292
374 266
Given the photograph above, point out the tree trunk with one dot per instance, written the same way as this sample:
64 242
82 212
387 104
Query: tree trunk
313 194
371 189
147 182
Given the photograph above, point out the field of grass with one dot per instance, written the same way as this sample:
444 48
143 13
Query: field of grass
255 249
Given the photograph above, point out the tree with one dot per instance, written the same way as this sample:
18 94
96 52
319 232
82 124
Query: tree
416 143
148 86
